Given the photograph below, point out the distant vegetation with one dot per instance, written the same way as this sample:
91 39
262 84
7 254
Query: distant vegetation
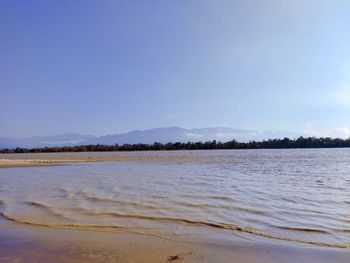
301 142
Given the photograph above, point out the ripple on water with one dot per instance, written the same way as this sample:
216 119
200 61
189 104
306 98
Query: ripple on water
270 193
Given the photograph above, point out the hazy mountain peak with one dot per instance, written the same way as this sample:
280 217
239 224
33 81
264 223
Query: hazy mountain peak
162 135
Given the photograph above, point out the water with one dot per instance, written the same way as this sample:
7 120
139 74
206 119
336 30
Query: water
295 195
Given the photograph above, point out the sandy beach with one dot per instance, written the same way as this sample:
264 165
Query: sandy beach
33 162
50 159
20 243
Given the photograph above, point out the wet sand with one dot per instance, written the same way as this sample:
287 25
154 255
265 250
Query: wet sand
20 243
5 163
50 159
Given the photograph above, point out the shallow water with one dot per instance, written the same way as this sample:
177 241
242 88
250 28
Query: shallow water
295 195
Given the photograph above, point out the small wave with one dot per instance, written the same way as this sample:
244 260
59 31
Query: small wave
192 205
73 226
48 209
92 198
37 204
225 226
224 198
216 197
303 229
250 210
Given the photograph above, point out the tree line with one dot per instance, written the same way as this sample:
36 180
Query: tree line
286 143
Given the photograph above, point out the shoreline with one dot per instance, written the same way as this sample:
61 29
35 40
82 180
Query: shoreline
8 163
54 159
21 243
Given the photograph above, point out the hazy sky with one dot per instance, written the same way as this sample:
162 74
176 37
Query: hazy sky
101 67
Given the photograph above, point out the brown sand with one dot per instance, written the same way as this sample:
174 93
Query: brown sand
27 160
20 243
37 162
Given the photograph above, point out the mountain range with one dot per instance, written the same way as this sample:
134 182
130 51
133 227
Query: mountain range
162 135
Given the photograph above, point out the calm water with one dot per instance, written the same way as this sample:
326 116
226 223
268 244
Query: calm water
295 195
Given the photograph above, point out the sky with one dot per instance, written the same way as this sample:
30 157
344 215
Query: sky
104 67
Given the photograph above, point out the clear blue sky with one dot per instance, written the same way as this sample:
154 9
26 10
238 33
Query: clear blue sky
102 67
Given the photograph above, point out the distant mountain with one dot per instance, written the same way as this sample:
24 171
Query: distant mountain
175 134
162 135
67 139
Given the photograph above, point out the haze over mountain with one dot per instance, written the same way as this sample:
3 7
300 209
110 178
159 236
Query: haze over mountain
43 141
162 135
